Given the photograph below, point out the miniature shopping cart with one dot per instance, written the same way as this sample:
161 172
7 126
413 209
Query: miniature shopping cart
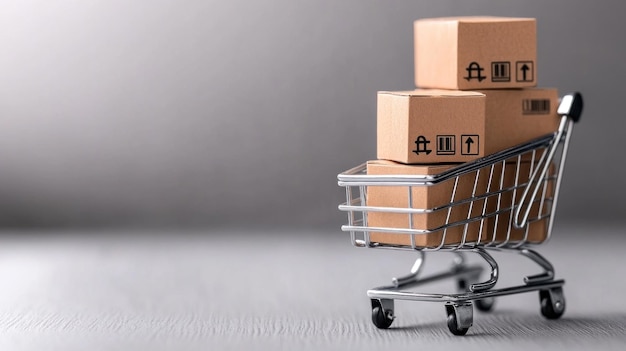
512 191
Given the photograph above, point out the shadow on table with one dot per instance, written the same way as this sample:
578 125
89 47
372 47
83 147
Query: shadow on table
513 324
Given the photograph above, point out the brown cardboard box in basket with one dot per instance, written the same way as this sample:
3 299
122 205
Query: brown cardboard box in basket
430 126
497 211
516 116
469 53
501 226
424 197
437 126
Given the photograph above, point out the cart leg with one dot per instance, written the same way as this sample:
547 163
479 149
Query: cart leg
382 313
412 277
459 260
460 317
534 256
458 264
493 279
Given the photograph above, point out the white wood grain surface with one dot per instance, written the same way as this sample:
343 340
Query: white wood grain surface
287 290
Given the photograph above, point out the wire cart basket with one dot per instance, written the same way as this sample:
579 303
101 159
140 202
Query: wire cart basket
512 191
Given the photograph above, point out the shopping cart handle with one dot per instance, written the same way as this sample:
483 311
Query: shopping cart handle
572 106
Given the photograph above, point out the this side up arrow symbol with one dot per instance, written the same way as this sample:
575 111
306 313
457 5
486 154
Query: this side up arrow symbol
524 69
469 143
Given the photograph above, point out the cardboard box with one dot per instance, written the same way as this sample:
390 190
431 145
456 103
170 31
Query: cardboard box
496 225
440 126
475 53
424 197
516 116
430 126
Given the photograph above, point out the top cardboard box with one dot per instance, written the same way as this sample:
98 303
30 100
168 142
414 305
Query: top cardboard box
475 53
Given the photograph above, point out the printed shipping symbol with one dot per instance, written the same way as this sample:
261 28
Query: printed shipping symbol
474 67
501 71
525 71
469 144
469 141
421 145
445 145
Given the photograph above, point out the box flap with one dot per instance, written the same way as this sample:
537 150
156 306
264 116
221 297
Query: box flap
476 19
434 93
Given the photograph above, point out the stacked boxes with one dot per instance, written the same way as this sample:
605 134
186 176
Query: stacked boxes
475 97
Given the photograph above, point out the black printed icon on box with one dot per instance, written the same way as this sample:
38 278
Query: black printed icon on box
501 71
524 71
474 71
469 144
421 145
446 145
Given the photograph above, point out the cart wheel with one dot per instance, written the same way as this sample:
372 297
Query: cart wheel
462 285
486 304
454 327
382 318
459 318
552 303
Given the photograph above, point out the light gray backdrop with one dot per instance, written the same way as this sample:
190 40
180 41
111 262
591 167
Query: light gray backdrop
232 113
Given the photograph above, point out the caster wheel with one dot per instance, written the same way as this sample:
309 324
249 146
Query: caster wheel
552 303
459 318
453 326
380 319
485 305
462 285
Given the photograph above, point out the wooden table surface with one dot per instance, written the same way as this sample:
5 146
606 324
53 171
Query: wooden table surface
229 289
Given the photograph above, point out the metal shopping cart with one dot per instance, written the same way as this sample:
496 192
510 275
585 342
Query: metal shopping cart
512 191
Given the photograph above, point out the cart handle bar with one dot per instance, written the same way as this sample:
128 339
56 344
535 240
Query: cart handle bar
570 109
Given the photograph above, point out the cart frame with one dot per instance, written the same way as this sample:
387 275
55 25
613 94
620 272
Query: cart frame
459 306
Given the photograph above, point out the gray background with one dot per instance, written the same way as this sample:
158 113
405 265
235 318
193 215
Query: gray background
232 113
